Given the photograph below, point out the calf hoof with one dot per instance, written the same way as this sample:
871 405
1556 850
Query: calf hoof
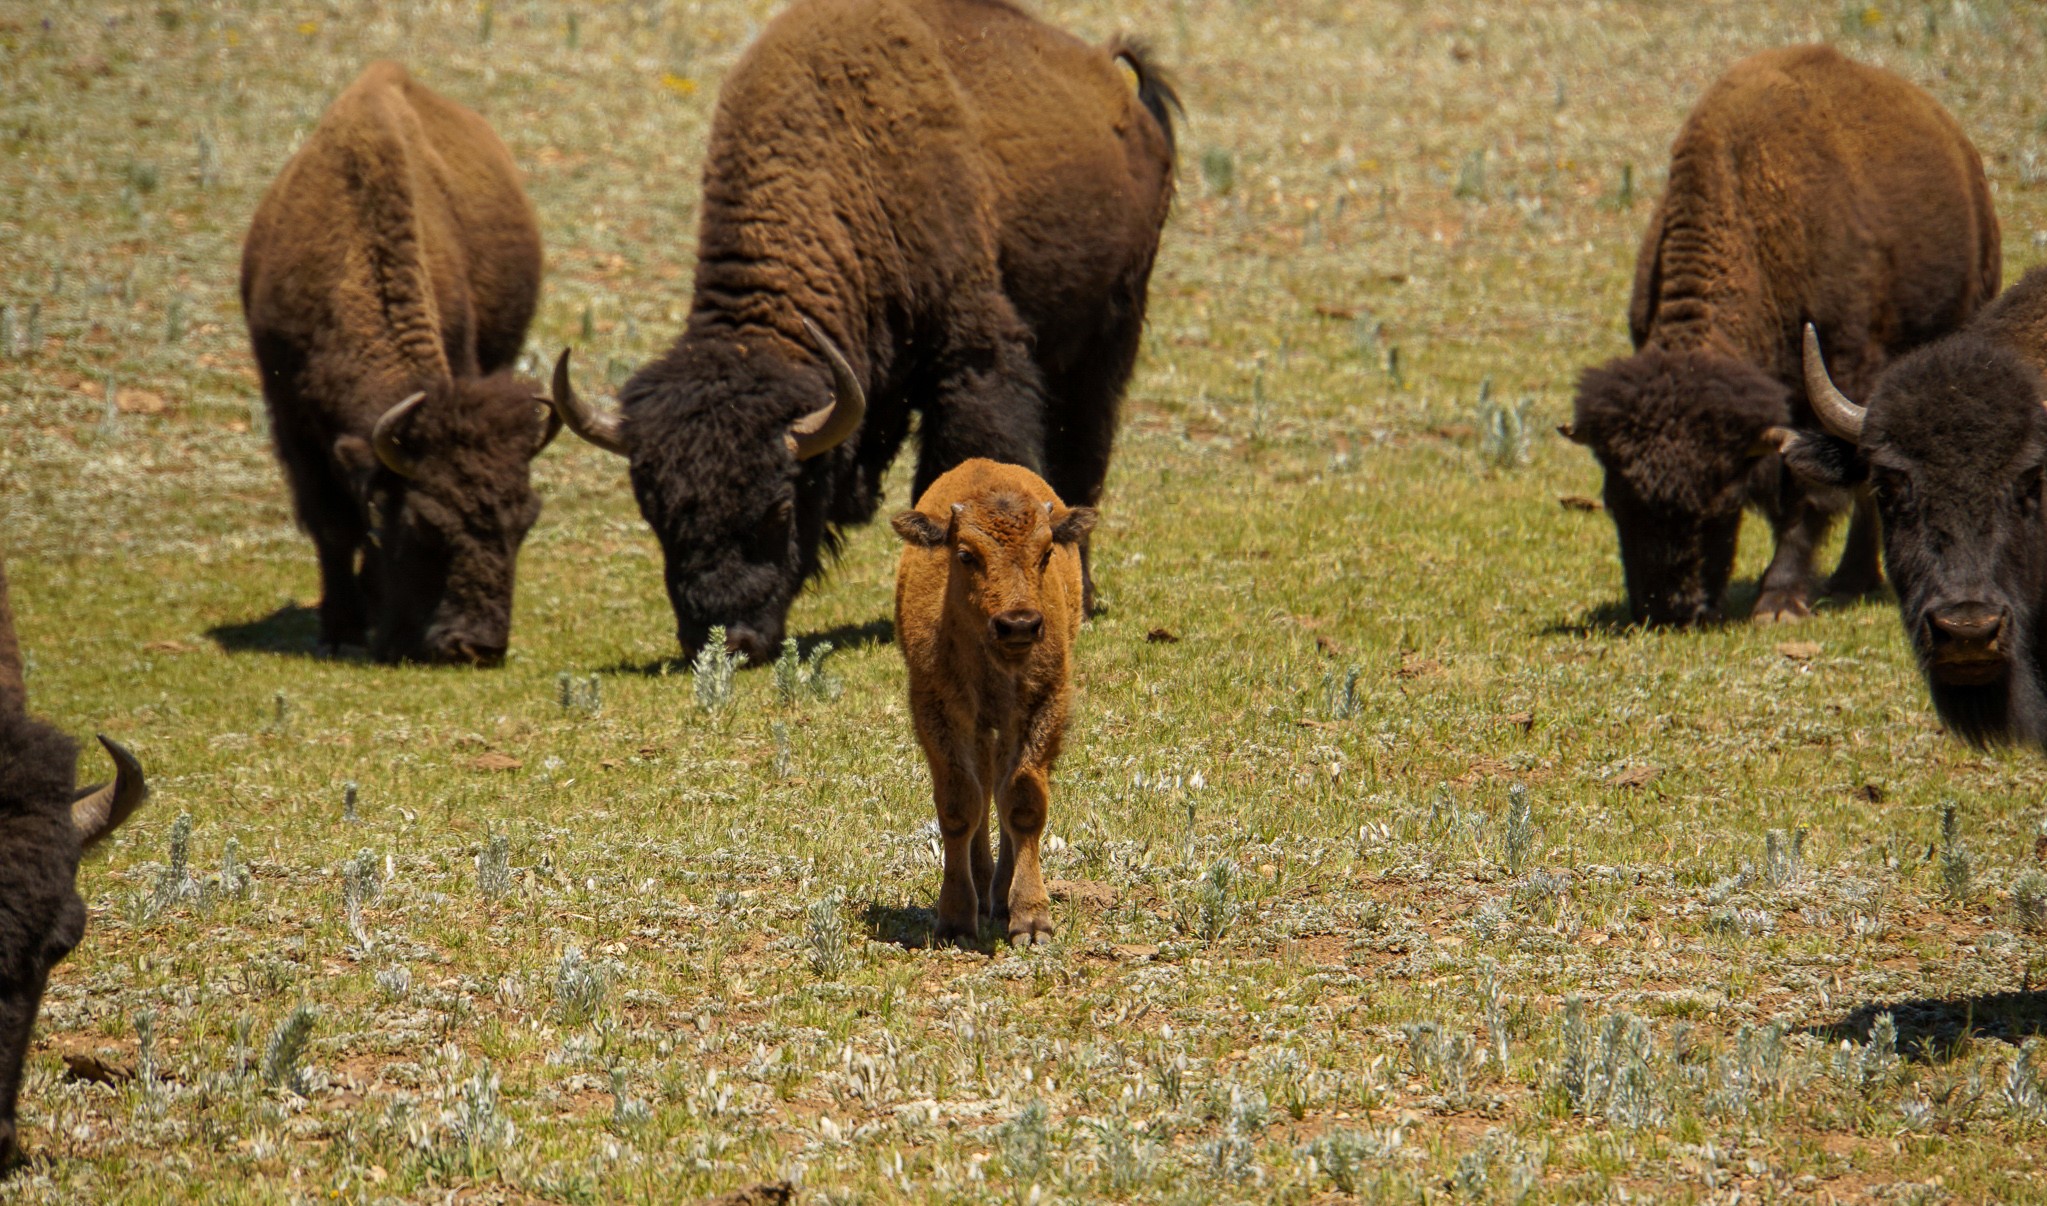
953 930
1781 607
1031 927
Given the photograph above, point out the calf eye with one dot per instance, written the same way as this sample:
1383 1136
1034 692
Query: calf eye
1045 562
968 559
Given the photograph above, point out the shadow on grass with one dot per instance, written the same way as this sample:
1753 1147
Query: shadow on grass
1607 619
904 925
290 629
1932 1028
846 636
1613 618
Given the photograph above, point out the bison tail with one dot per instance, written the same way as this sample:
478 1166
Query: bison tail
1154 87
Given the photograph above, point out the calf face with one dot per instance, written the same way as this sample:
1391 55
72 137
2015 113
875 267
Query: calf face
1001 548
44 827
1678 436
445 487
1953 445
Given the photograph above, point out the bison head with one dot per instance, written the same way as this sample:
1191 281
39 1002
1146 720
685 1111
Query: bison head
44 827
1953 445
443 482
1681 437
1002 548
722 434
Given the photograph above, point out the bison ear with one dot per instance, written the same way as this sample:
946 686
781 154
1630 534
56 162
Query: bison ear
358 462
1823 460
1075 523
1771 440
917 528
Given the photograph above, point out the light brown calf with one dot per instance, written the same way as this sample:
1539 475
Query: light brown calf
988 599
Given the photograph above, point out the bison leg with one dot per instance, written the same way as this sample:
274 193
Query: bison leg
344 614
1019 882
963 824
1861 569
1083 405
1787 585
989 402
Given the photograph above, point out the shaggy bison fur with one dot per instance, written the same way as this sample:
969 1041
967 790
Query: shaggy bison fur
988 601
1803 188
1953 448
397 255
966 202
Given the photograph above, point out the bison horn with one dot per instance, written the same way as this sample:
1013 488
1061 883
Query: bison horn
601 430
384 438
1837 414
824 429
98 814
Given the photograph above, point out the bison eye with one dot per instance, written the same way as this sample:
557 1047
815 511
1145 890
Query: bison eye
968 559
1891 486
2027 493
1045 562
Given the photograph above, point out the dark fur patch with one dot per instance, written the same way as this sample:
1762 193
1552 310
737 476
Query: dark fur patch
1678 426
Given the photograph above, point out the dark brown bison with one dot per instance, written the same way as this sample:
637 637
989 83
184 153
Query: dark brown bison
988 602
967 202
45 825
387 281
1953 447
1803 188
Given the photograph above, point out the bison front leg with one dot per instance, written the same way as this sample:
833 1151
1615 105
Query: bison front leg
963 825
1785 594
344 612
1024 804
1861 569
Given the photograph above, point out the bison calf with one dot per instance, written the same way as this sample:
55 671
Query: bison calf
1803 188
988 599
45 826
388 279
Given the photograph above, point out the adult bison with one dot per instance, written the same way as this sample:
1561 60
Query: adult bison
388 280
1803 188
943 208
1953 445
988 602
45 826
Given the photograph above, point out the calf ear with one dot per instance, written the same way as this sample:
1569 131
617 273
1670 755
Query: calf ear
1074 523
915 527
1823 460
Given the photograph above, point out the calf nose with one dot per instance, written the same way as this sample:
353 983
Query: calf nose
1966 624
1018 626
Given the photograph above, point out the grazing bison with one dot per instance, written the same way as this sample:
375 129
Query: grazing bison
387 281
943 208
45 825
1952 446
1803 188
988 600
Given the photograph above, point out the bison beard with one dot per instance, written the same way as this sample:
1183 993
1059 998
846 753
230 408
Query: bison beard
388 279
988 602
1953 446
958 201
1803 187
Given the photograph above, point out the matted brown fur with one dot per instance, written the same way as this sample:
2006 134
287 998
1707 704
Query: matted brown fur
1804 187
395 253
988 602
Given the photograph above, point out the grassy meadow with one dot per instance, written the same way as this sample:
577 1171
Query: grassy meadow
1389 863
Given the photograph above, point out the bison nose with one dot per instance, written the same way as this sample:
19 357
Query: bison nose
1966 624
749 644
1017 627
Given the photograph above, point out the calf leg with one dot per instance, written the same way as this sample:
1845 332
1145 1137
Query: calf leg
1861 569
963 824
1787 586
1024 803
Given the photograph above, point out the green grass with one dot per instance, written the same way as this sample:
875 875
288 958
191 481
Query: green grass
1299 923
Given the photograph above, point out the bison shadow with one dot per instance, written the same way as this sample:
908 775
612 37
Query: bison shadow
912 927
1932 1029
1612 618
291 629
845 636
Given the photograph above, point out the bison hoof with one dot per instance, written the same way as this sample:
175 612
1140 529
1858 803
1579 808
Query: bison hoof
1033 928
1781 607
965 933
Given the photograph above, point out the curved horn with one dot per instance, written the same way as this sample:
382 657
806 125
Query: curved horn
822 430
1837 414
553 421
98 814
384 438
601 430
